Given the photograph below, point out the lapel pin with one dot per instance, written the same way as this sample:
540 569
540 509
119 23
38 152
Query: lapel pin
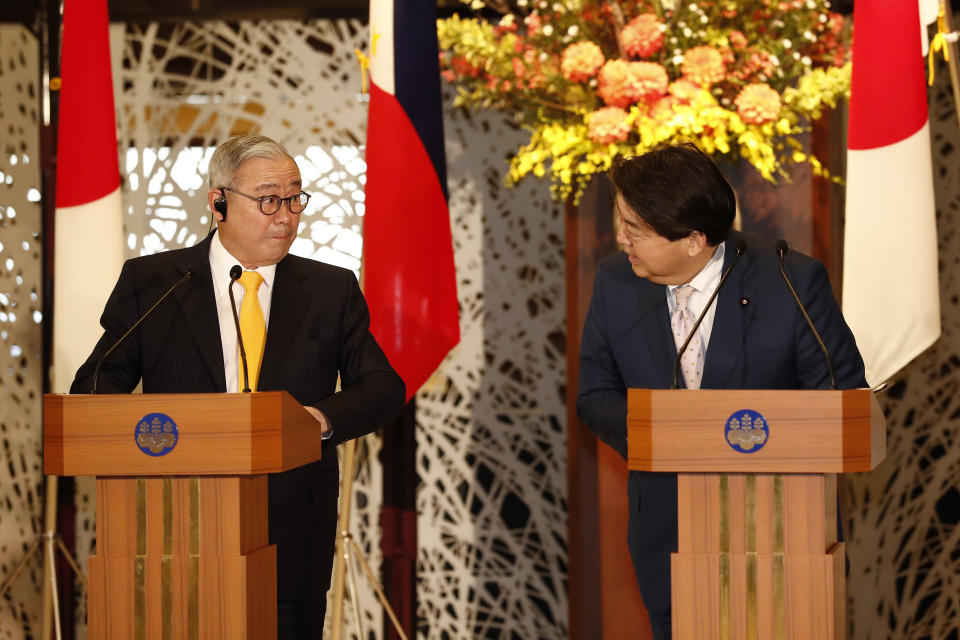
744 302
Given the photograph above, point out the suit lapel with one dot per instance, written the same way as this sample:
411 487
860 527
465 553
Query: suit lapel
287 302
730 323
655 326
197 299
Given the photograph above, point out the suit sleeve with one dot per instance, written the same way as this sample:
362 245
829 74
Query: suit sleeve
813 287
120 372
372 394
602 395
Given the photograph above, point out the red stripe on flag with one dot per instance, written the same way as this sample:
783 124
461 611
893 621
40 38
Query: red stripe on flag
87 167
888 97
409 276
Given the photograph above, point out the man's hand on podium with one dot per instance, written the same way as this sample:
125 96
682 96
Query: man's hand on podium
325 427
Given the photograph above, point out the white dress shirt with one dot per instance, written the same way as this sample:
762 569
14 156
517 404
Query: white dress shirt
703 285
220 264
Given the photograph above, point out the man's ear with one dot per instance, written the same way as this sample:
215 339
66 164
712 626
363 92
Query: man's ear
696 243
217 203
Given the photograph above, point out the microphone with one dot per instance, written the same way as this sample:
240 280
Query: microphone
235 272
739 246
96 371
781 247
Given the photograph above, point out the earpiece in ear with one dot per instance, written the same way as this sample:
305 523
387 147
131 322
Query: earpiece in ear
220 205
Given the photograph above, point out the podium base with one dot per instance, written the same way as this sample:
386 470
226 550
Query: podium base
183 597
759 596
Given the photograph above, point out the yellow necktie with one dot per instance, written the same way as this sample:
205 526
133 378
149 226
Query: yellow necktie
253 329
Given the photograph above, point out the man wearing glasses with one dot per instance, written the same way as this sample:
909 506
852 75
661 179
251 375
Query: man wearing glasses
313 327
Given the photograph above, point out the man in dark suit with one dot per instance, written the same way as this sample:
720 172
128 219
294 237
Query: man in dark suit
317 328
675 212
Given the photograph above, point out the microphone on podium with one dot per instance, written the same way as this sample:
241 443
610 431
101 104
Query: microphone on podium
235 272
96 371
781 247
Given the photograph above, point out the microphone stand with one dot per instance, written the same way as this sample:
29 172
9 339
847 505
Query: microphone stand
47 544
347 548
96 371
782 251
235 273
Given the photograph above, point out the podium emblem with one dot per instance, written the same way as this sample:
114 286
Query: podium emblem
747 431
156 434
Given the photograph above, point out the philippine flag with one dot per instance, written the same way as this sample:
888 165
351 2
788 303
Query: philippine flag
88 233
891 296
408 270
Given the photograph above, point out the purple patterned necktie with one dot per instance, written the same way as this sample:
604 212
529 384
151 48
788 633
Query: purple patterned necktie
691 362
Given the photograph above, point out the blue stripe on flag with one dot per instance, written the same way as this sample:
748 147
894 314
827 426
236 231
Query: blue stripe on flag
417 76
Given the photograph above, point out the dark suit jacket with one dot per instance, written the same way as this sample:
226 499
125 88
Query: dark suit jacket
318 328
759 340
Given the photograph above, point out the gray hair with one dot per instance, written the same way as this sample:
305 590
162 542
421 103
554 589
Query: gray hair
231 154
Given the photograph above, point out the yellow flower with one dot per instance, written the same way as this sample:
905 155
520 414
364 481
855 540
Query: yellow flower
553 89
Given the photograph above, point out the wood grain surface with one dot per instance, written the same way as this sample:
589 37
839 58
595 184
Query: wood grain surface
810 431
219 434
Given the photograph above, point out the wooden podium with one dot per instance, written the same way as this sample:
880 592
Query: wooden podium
182 547
758 556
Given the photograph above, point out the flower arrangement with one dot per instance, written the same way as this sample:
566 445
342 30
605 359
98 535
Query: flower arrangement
593 79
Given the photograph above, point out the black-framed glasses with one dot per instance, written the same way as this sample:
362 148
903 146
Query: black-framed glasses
269 205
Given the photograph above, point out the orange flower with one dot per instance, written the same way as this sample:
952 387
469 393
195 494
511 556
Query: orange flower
662 109
758 103
834 23
684 91
623 83
642 36
737 39
533 23
704 66
608 125
463 67
581 60
754 62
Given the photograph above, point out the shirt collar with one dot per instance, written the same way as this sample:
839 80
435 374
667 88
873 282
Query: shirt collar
706 280
221 261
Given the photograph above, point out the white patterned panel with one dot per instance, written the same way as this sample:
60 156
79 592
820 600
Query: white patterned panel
187 85
491 442
21 376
